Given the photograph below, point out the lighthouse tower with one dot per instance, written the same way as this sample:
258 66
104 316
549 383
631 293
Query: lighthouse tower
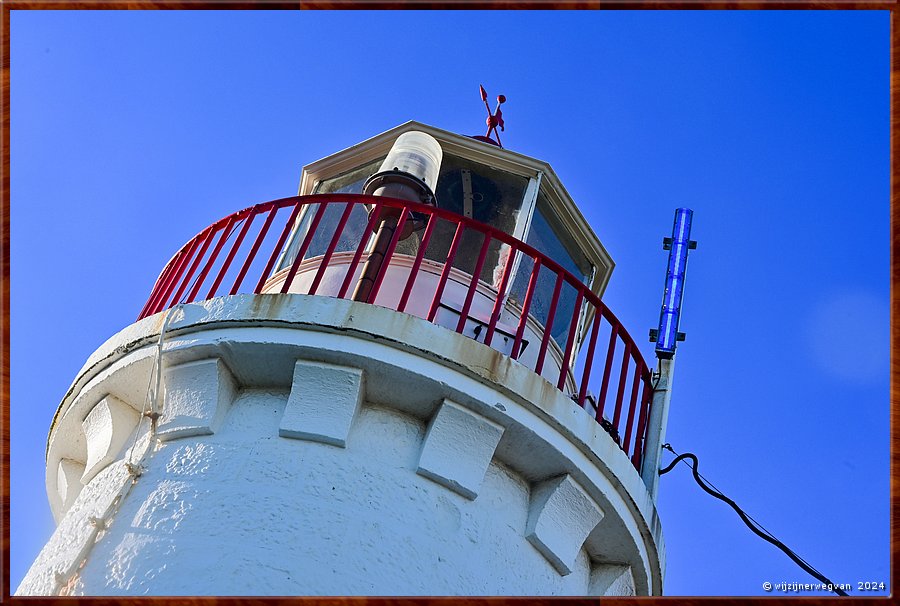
402 381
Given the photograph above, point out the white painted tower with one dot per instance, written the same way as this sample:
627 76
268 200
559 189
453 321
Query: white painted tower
409 391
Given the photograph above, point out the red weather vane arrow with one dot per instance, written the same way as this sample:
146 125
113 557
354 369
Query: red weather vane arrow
493 120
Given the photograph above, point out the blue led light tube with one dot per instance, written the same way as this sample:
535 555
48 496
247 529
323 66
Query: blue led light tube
670 315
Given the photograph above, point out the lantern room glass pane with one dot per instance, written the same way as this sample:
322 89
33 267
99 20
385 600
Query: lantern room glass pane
350 182
488 195
548 235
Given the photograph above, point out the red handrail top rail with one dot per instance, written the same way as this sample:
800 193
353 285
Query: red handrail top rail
411 206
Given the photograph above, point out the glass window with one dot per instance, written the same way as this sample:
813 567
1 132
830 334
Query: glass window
548 236
350 182
486 194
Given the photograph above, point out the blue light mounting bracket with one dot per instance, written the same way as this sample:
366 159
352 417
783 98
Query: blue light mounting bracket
667 335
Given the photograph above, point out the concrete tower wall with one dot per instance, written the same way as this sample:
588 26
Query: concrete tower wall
307 445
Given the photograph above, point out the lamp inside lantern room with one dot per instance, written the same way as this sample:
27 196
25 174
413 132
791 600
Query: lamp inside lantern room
409 172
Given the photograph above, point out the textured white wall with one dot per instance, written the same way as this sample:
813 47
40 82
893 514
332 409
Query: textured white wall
248 512
252 489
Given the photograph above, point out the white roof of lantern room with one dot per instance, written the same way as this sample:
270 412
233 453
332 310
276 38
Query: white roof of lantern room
485 153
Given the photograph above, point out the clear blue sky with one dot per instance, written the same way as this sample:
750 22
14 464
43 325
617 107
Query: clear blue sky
133 131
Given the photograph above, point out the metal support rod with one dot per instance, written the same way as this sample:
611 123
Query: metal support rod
423 246
374 215
656 425
375 259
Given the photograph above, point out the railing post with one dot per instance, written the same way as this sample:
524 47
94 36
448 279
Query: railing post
656 425
423 246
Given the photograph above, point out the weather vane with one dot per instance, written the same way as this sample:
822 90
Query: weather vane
493 120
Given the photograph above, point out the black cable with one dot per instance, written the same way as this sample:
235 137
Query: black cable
752 524
751 518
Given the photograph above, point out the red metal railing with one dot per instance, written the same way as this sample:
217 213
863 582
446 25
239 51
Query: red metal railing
199 264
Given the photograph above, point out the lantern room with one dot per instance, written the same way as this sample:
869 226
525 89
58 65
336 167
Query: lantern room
506 193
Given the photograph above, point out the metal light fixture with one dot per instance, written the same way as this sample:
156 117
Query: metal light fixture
409 172
667 335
